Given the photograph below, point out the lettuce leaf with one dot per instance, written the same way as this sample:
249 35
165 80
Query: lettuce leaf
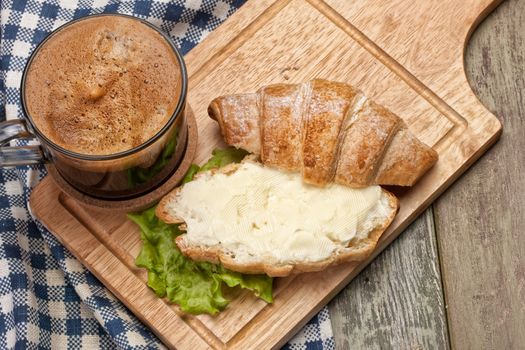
197 287
137 176
220 158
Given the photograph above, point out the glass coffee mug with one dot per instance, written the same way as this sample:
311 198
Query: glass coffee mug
119 176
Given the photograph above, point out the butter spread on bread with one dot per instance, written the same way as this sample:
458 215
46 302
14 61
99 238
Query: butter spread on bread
257 219
328 131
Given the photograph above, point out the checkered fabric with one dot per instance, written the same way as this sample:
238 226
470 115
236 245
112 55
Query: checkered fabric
48 300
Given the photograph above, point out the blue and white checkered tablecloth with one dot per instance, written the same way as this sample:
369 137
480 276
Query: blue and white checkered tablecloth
47 298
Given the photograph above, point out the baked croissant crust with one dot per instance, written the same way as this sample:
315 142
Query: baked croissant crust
327 130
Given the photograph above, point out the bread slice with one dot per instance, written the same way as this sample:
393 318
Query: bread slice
256 219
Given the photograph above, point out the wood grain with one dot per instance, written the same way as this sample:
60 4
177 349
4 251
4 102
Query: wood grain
102 261
291 40
481 219
391 34
397 301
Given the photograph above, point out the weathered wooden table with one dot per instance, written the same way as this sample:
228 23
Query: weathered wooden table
456 277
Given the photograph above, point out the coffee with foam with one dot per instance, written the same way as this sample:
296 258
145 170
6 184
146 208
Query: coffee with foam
103 85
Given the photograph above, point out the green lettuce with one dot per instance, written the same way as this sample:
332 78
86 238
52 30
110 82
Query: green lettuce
197 287
137 176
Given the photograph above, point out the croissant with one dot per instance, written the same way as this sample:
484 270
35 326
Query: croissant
327 130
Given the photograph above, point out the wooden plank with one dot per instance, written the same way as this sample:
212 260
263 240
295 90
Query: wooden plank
481 219
397 301
111 270
293 40
295 53
426 19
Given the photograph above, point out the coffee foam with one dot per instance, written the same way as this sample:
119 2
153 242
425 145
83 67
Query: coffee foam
103 85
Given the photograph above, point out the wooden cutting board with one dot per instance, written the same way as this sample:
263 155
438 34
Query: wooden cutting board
407 55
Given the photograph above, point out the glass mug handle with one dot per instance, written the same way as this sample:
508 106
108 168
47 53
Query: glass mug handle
18 155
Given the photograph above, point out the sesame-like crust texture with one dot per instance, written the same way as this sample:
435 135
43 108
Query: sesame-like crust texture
357 249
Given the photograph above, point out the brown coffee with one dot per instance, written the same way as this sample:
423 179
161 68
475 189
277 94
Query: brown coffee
103 85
